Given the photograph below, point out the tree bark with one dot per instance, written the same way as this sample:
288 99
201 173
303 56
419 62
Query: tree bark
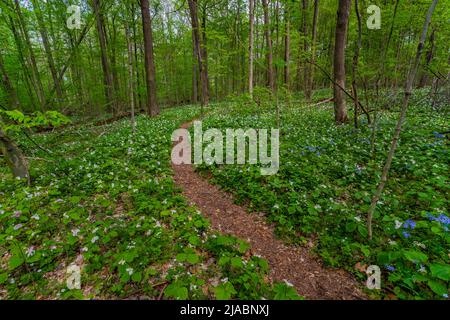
340 105
250 47
310 79
287 46
152 104
193 9
270 73
13 99
48 50
34 69
14 157
130 76
107 75
408 91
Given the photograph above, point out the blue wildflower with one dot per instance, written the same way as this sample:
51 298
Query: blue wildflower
443 219
389 267
438 135
406 234
445 295
409 224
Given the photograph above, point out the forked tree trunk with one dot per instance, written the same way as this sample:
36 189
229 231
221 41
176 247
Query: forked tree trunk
340 105
408 91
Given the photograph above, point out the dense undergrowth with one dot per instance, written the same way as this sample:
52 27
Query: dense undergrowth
327 177
104 200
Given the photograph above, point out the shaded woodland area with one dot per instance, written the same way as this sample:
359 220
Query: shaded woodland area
91 90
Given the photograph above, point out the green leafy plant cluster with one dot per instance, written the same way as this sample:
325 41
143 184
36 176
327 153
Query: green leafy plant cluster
110 206
327 178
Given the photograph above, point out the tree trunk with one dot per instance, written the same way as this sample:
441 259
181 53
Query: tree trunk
270 74
107 76
14 157
48 50
34 69
152 104
408 91
429 57
287 46
310 79
193 10
13 100
250 47
194 71
130 76
340 105
355 64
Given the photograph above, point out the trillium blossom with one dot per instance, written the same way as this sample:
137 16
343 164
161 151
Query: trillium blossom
130 271
398 224
18 226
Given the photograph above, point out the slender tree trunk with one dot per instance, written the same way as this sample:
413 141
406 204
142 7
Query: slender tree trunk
130 76
287 47
13 99
310 79
355 64
34 69
408 91
152 104
250 47
48 50
428 58
340 105
194 71
193 9
305 45
270 72
107 75
203 44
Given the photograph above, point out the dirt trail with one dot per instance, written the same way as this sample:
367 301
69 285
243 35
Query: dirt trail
287 262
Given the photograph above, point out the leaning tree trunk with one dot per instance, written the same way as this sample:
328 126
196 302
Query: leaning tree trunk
14 157
408 91
340 105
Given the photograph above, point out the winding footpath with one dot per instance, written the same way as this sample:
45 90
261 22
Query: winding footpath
290 263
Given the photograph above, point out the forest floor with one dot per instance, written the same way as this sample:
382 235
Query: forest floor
111 203
290 263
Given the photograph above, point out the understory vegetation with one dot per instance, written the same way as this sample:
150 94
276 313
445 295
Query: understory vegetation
104 200
325 185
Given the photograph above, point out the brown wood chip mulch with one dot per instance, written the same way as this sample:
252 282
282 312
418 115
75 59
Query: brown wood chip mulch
287 262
